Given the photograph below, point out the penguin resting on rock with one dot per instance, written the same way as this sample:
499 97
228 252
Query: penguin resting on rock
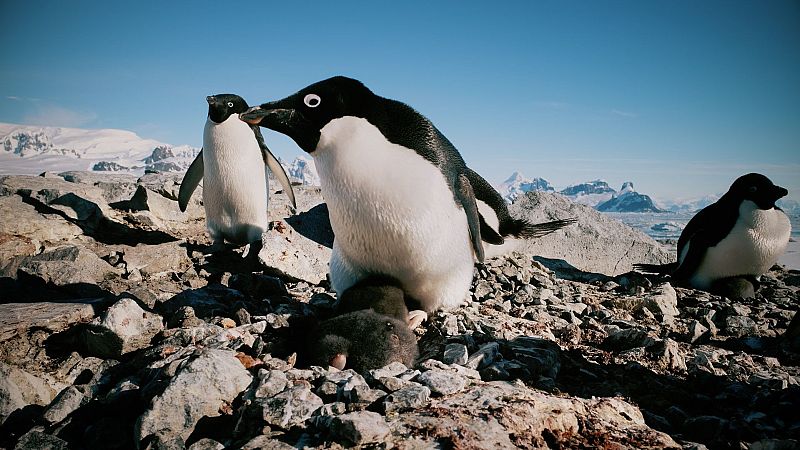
232 162
401 200
728 245
371 329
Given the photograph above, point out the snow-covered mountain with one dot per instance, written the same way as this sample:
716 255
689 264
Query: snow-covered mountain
32 150
517 184
591 193
302 170
628 200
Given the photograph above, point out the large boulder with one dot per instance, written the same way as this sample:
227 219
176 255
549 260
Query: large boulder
596 243
202 388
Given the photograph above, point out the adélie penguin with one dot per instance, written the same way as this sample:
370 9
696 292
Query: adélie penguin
732 242
401 200
231 162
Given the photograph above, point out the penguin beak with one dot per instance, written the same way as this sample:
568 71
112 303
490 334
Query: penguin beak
211 99
780 192
286 120
257 114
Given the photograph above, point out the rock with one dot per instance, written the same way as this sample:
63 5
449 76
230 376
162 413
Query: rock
71 266
19 388
38 440
455 354
299 248
201 388
208 444
739 326
597 243
287 409
629 338
265 443
663 301
442 382
270 383
697 331
207 302
18 318
359 428
407 398
539 356
123 328
64 404
392 369
487 354
13 245
156 260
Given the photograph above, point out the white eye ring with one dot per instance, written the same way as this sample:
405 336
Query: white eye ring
312 100
230 104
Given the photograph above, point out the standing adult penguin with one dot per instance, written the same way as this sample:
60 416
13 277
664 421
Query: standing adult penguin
740 236
232 162
401 199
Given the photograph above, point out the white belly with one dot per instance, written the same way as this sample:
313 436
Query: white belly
392 213
234 182
755 244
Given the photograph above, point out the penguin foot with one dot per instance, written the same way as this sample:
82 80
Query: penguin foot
416 317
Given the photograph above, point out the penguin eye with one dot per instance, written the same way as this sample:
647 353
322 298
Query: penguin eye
752 189
230 104
312 100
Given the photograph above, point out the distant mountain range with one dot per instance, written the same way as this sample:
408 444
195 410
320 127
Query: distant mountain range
32 150
597 194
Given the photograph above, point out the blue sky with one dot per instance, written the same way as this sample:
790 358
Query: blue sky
680 97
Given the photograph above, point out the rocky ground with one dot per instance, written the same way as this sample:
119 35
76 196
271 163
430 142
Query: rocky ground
119 330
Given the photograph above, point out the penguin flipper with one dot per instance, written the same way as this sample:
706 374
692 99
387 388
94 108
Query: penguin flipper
190 181
274 166
489 235
696 247
466 197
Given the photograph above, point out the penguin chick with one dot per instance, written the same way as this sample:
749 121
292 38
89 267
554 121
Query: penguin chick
735 288
361 340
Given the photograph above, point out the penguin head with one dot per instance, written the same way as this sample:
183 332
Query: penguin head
758 189
222 106
302 115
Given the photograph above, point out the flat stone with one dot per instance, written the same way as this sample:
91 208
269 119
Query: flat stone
289 408
442 382
407 398
17 318
359 428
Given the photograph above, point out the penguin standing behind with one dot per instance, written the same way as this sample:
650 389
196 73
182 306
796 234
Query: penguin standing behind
731 243
401 200
232 163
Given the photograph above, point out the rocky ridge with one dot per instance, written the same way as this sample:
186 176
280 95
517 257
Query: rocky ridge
119 330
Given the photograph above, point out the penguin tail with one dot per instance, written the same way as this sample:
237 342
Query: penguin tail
660 269
527 230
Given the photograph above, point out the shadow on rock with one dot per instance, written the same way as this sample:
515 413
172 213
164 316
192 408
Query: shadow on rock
91 220
315 224
700 407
